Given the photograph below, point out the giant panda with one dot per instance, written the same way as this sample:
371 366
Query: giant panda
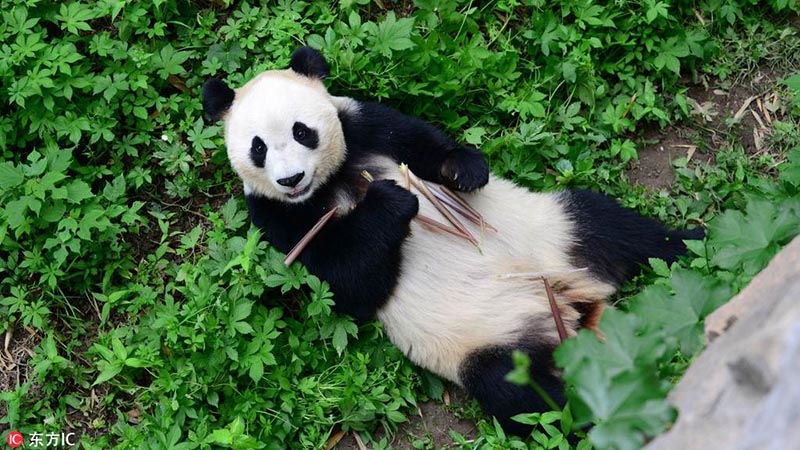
301 151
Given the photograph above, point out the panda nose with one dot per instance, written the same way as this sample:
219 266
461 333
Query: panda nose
292 180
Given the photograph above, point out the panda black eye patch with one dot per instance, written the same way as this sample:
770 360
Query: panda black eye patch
304 135
258 151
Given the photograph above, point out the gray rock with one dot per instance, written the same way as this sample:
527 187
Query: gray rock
743 391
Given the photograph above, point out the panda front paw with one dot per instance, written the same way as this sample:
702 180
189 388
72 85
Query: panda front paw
394 199
465 170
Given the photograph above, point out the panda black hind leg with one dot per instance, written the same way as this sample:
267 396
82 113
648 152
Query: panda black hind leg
483 374
615 242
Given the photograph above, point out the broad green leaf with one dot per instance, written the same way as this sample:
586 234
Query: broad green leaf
749 240
681 315
256 370
78 191
10 177
108 373
241 311
391 34
474 135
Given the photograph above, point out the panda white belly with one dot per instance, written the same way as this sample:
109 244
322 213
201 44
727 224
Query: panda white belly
437 321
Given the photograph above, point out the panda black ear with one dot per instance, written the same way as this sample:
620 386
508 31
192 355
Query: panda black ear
309 62
217 98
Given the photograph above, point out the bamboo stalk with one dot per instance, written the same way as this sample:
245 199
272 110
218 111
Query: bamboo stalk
425 220
465 205
298 248
551 273
444 198
562 331
420 185
404 170
359 442
457 204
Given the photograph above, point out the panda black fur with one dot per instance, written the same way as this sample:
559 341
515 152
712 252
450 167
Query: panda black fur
301 151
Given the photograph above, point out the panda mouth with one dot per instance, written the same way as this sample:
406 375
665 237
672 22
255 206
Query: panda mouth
299 192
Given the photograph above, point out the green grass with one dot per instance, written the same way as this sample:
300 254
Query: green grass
142 311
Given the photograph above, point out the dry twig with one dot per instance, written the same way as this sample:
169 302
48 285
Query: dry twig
7 341
359 442
743 108
758 119
334 439
423 189
435 224
690 149
462 207
298 248
562 331
551 273
404 170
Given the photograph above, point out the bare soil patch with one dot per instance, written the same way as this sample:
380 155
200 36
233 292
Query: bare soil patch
430 426
722 113
15 354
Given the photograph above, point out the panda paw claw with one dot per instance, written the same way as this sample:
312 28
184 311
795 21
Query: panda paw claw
465 170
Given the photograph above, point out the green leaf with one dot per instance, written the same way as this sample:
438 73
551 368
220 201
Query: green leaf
474 135
681 315
521 373
569 71
116 189
16 210
793 83
241 311
395 416
233 217
749 240
170 61
659 267
243 327
655 10
135 362
790 170
339 339
391 34
108 373
78 191
527 418
53 212
256 370
119 349
10 177
74 16
220 437
612 380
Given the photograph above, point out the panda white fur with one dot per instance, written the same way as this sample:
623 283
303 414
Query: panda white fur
301 151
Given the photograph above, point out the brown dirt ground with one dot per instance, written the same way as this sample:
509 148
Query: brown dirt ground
431 425
721 113
15 354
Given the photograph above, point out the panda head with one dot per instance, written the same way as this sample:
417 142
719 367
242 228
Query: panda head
282 128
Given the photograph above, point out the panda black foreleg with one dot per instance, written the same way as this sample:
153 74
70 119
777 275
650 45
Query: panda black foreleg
359 255
483 374
615 242
429 152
